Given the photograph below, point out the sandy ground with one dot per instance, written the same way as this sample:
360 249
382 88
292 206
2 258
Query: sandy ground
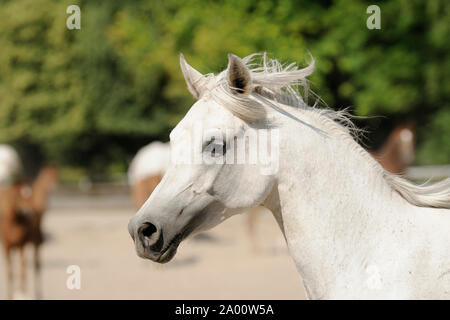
92 234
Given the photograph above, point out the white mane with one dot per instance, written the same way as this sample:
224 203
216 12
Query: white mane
274 82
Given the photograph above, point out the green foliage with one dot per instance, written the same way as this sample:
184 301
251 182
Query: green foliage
435 148
38 84
91 97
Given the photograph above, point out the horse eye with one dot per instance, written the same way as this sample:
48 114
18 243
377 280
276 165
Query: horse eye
223 146
214 145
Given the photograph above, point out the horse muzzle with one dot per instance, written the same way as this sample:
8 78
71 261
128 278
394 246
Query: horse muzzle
150 242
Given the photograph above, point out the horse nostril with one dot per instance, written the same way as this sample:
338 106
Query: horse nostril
148 229
150 237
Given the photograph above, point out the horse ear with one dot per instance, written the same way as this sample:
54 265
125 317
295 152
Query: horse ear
239 78
196 82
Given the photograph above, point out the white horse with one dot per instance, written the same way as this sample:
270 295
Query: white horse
353 229
10 164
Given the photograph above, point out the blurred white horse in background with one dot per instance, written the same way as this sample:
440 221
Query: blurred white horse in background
353 229
146 170
10 164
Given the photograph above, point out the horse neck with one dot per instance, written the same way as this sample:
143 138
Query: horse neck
40 192
330 203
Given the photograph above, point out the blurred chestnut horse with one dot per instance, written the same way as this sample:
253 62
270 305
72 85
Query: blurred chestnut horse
22 209
146 170
395 155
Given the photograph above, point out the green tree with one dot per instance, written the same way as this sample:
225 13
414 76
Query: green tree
91 97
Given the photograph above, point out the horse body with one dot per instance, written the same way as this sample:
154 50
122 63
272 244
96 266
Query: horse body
21 216
353 229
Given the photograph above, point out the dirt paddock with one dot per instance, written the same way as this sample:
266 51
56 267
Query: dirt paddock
91 232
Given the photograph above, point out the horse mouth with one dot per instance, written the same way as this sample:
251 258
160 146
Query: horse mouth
170 250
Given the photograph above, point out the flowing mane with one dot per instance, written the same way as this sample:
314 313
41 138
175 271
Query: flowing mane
274 83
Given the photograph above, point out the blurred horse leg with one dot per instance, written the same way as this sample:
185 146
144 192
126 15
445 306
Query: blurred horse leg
9 271
252 221
23 270
37 273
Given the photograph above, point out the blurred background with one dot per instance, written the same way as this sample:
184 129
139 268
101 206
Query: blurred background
85 101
